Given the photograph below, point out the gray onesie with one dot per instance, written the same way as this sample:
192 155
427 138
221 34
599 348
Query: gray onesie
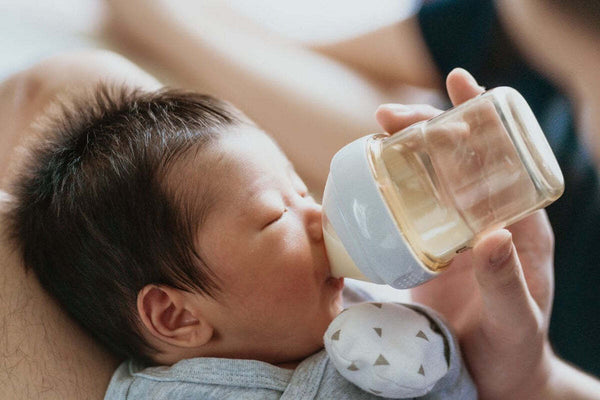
315 378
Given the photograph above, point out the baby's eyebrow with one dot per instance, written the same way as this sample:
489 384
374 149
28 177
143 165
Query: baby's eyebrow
250 208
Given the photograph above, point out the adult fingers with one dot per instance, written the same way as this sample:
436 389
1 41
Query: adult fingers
537 225
462 86
507 304
534 241
395 117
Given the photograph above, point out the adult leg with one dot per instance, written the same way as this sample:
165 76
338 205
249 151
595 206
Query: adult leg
45 354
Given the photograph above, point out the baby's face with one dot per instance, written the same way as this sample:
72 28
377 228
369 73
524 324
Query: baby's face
263 239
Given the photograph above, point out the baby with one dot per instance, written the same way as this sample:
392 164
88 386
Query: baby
178 233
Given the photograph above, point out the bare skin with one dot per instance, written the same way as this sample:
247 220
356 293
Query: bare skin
283 87
50 376
332 88
498 296
45 355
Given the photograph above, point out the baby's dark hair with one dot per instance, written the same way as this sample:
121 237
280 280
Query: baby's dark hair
94 215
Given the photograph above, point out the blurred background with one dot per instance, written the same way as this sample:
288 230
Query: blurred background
32 29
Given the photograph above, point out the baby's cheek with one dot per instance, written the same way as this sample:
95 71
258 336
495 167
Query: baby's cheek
296 252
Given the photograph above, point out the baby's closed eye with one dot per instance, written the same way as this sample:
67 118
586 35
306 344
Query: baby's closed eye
271 220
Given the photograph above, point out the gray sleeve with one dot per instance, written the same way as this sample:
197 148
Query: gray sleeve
119 383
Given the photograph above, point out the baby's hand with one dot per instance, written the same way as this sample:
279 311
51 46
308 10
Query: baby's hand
387 349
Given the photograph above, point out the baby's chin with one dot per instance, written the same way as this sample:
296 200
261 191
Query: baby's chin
337 286
335 283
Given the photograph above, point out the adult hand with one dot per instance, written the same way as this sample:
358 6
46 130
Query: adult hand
498 296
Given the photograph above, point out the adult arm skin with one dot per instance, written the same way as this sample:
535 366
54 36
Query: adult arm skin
311 103
498 296
393 54
45 354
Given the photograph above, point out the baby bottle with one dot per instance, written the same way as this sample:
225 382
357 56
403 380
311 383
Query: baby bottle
398 208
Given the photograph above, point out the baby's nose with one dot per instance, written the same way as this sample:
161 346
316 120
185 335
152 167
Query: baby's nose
313 222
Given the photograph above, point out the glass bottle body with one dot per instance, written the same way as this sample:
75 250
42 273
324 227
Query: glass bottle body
482 165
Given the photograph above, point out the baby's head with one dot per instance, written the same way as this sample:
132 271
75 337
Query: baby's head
171 227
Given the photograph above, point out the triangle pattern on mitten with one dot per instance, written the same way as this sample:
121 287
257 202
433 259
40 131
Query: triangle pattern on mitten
381 360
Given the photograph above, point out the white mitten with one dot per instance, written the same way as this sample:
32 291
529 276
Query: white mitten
387 349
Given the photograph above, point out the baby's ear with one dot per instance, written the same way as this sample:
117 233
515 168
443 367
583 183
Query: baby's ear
170 317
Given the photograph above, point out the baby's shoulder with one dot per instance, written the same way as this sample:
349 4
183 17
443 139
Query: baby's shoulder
202 378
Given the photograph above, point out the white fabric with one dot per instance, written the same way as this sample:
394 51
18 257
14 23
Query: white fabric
387 349
31 29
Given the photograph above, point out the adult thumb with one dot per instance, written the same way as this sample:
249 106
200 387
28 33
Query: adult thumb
506 299
462 86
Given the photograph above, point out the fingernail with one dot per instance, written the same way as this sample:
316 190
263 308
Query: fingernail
501 253
472 79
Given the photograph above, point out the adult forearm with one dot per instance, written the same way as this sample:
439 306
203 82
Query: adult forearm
396 53
311 104
557 380
566 382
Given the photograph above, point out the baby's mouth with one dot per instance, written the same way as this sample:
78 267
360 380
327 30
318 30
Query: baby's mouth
337 283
